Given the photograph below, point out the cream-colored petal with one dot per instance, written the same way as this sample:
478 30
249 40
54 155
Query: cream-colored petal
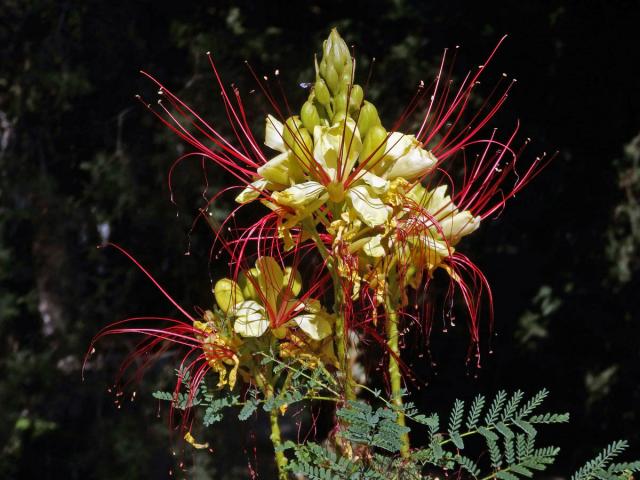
457 226
316 325
369 208
429 247
299 195
292 280
415 163
378 185
251 319
374 248
340 142
398 145
270 278
276 170
438 203
418 194
252 191
273 134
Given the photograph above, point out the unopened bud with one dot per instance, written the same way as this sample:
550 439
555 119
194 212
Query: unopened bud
368 118
347 76
340 102
309 115
355 97
323 66
339 117
322 92
279 332
249 292
374 145
336 52
332 78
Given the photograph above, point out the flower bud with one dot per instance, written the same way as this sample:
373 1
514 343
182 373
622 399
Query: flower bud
368 118
227 293
323 65
322 92
248 290
279 332
338 117
336 52
332 78
309 115
355 97
340 102
374 145
336 59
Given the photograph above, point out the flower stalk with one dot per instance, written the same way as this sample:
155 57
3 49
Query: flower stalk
276 440
393 343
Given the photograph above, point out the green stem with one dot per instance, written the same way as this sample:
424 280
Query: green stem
395 376
276 440
342 340
341 337
266 384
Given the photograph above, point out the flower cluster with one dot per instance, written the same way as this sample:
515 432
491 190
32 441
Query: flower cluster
337 167
375 204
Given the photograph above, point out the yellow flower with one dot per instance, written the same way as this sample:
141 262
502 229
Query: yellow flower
440 216
265 299
219 350
405 158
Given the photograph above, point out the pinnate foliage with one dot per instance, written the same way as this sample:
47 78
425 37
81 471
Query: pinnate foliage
504 441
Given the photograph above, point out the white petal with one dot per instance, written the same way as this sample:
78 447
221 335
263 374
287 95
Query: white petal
369 208
252 191
251 320
315 325
273 134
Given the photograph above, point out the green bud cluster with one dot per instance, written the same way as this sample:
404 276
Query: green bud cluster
333 98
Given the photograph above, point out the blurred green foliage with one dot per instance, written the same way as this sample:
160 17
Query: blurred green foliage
81 161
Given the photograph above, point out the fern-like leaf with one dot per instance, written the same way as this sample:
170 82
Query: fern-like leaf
512 406
532 404
166 396
496 407
474 413
455 421
550 418
468 464
247 410
601 461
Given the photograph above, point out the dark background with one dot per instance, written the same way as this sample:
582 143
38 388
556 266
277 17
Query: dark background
79 154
